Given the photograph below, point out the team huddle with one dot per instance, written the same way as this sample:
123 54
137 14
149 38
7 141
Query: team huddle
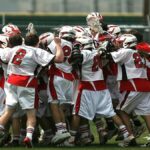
52 86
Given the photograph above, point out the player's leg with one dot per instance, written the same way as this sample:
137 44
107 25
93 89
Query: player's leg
59 86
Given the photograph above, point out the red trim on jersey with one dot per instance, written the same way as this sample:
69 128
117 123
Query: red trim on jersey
105 37
52 88
93 85
78 102
139 85
75 74
55 71
24 81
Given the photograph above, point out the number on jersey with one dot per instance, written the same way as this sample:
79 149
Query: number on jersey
19 56
137 60
96 63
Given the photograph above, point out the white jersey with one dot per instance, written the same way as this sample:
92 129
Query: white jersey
67 49
61 73
96 37
91 66
130 64
132 71
24 60
93 96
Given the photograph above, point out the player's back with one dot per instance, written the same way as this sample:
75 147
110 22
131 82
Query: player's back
67 49
25 59
91 66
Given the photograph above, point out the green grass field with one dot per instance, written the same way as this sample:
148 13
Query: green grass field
111 145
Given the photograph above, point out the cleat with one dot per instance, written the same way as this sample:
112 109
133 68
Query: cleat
60 137
68 143
129 141
28 142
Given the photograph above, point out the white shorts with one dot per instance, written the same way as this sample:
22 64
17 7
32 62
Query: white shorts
138 102
25 96
2 101
89 103
60 89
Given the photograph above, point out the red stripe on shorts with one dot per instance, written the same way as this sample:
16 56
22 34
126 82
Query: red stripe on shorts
52 88
78 101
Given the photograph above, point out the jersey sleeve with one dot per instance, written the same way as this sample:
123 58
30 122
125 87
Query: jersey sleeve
86 56
43 57
147 62
120 55
52 47
5 54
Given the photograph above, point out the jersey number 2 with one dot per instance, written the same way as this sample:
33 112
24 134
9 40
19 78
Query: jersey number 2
19 56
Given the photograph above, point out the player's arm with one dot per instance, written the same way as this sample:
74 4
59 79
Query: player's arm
59 56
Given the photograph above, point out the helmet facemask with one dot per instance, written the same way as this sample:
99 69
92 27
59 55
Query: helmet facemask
95 25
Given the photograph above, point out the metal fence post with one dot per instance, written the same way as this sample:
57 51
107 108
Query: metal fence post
96 8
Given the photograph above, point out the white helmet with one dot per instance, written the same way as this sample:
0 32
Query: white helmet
94 15
86 42
67 32
4 40
11 29
94 20
80 31
113 29
45 39
127 40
